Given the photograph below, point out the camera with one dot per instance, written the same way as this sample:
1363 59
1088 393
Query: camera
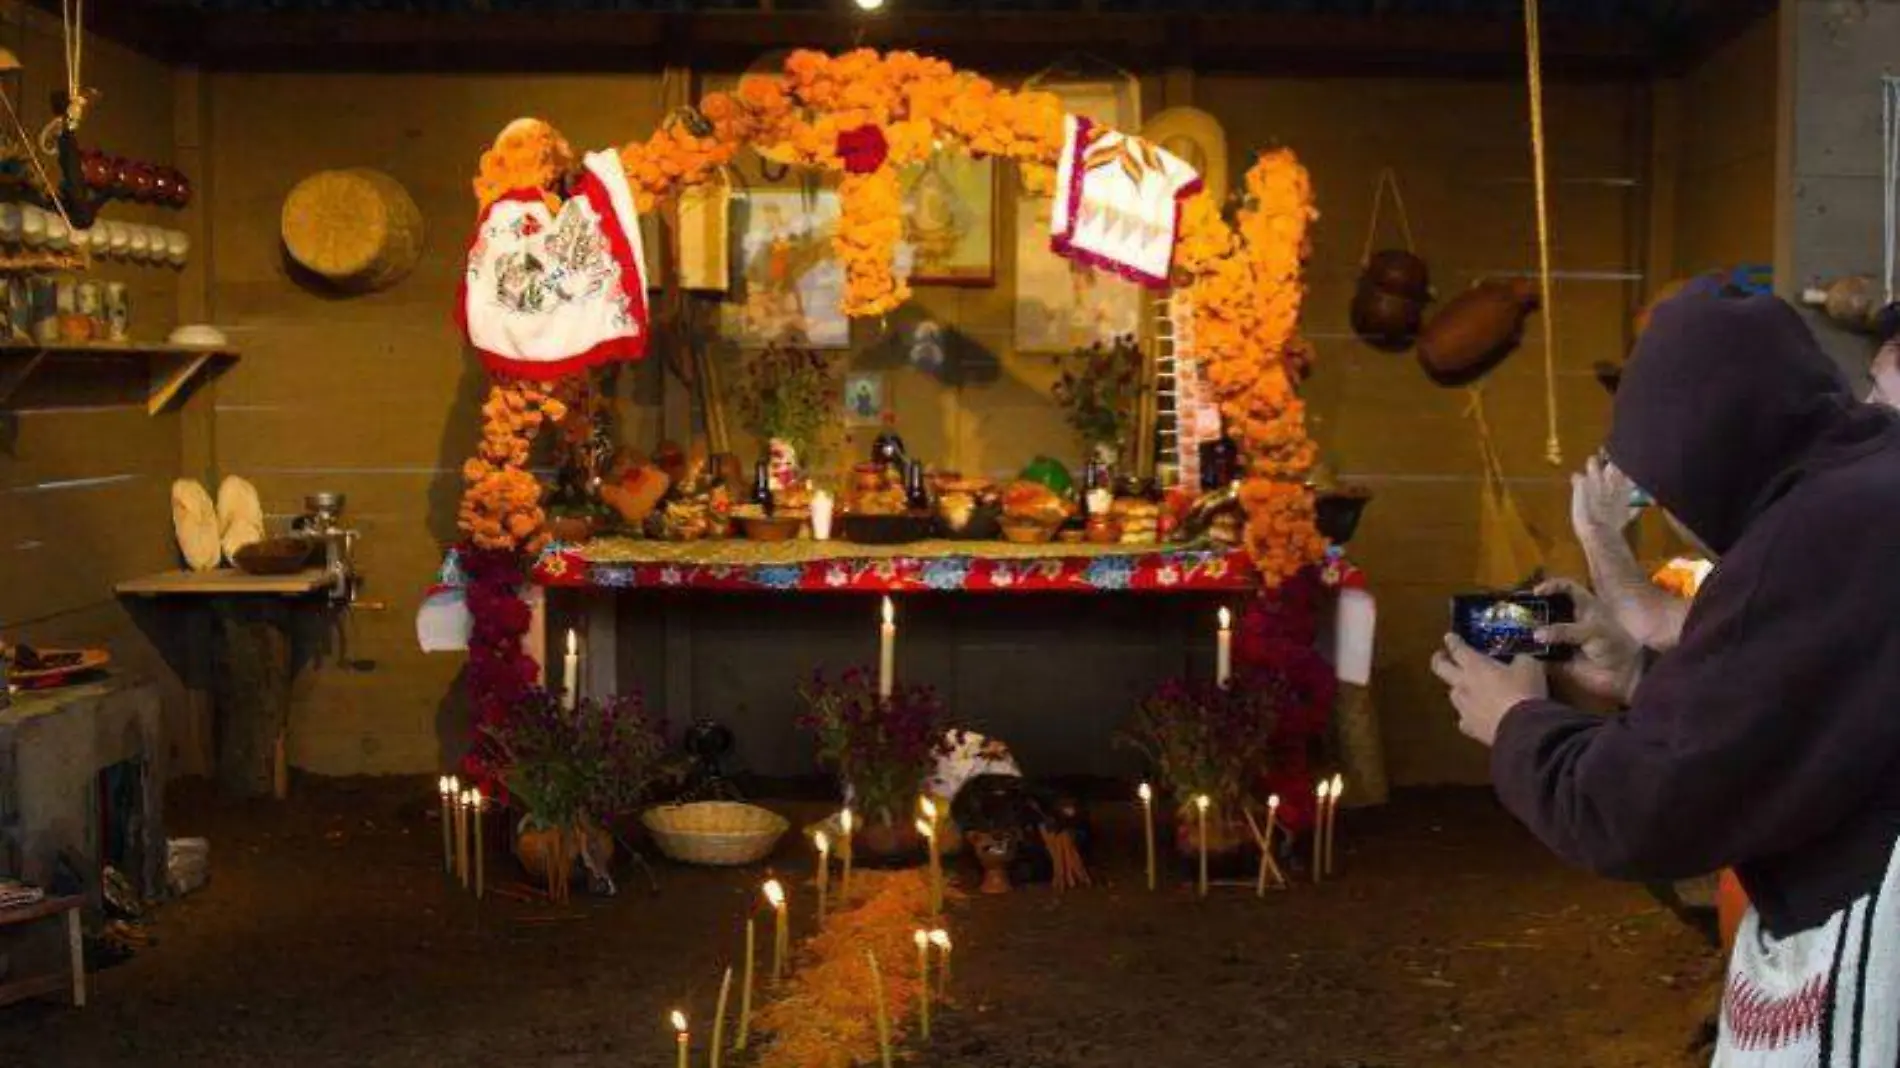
1502 625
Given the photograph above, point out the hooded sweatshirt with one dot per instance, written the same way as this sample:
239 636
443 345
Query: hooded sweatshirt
1769 739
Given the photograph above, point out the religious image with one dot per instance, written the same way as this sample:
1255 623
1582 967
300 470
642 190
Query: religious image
1061 304
791 283
950 221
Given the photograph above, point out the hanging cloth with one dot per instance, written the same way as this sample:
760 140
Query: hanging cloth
1118 202
1510 551
547 294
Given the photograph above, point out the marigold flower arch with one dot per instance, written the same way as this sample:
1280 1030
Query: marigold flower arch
865 115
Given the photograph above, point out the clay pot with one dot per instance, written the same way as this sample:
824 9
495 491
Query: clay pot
888 843
995 852
1476 331
182 195
96 169
571 529
1400 273
533 848
1385 320
140 181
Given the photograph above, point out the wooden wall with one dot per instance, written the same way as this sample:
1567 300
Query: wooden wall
374 397
85 492
1724 204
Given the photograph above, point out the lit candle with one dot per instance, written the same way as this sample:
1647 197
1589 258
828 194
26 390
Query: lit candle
775 894
719 1018
1147 795
929 833
1273 826
1200 804
846 821
941 939
571 670
448 838
883 1012
922 938
887 650
1332 818
1319 829
462 821
476 806
823 841
679 1027
929 808
1224 649
455 816
745 991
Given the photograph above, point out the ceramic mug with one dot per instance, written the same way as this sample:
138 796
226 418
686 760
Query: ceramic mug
45 305
139 243
118 237
32 226
20 308
118 312
12 222
89 303
177 247
59 234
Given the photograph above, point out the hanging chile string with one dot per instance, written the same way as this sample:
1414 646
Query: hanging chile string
1533 32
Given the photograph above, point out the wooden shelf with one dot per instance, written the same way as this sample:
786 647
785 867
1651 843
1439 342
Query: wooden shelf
224 583
165 371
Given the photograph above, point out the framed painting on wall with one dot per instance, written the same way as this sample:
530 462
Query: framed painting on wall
866 399
791 283
950 221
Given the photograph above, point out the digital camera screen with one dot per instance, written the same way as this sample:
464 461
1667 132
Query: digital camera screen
1503 625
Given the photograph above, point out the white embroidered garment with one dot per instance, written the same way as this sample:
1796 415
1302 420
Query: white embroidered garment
1118 202
1824 998
549 293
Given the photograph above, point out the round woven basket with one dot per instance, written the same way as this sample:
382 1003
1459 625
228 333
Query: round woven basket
718 833
357 229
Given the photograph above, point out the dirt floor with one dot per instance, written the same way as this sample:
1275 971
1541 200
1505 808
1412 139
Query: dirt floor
328 937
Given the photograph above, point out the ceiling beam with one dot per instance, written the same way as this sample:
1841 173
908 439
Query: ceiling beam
1003 43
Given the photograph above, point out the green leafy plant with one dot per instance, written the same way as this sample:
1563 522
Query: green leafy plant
883 747
789 392
1099 391
1201 739
594 763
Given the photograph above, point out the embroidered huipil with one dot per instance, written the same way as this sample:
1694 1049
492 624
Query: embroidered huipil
550 293
1118 202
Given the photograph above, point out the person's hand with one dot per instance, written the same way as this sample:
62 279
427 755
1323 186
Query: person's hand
1609 659
1600 501
1483 690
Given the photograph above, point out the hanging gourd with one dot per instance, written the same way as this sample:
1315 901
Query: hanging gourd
1477 330
1395 285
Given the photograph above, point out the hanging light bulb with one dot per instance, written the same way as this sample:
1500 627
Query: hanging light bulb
870 5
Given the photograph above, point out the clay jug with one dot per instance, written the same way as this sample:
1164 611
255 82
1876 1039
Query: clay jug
1476 331
1386 320
1398 272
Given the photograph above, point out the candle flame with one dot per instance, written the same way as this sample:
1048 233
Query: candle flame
890 613
1323 789
924 828
1226 619
455 787
475 798
941 939
922 938
442 784
679 1022
573 644
1145 792
928 807
775 893
845 820
1273 801
1202 801
1339 785
823 841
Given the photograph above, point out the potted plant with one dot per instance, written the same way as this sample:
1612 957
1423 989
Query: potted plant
1099 391
1199 738
882 749
573 772
787 397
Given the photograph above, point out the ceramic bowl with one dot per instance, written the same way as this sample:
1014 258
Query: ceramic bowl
139 243
32 226
59 235
177 247
198 336
12 221
118 238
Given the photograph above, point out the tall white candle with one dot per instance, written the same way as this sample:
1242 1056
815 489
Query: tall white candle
821 513
1147 795
571 670
1200 807
448 840
1224 649
887 650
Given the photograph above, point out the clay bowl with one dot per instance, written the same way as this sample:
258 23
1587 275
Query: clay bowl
1027 532
886 529
771 527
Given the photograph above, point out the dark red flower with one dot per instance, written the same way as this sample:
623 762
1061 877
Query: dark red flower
863 150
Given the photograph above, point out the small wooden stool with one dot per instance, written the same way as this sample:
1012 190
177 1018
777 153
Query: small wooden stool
35 986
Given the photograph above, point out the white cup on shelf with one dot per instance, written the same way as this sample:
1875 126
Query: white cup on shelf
32 226
118 238
139 245
59 235
177 247
12 222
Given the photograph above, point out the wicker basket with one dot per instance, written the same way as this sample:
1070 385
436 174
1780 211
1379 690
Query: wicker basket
358 229
722 834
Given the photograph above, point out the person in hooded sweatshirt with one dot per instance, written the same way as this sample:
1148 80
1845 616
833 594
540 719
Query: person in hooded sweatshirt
1768 739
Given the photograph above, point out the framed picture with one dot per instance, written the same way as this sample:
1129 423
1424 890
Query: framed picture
950 221
791 283
1062 305
866 398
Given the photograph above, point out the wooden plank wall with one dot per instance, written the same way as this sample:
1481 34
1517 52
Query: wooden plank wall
1725 195
85 493
373 396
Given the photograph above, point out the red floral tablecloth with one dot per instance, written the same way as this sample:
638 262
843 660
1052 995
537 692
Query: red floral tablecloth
970 567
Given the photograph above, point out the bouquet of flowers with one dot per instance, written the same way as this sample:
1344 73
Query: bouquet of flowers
585 766
1202 739
788 392
883 747
1100 389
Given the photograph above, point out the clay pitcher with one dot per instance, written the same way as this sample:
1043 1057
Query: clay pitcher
1398 272
1476 331
1386 320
